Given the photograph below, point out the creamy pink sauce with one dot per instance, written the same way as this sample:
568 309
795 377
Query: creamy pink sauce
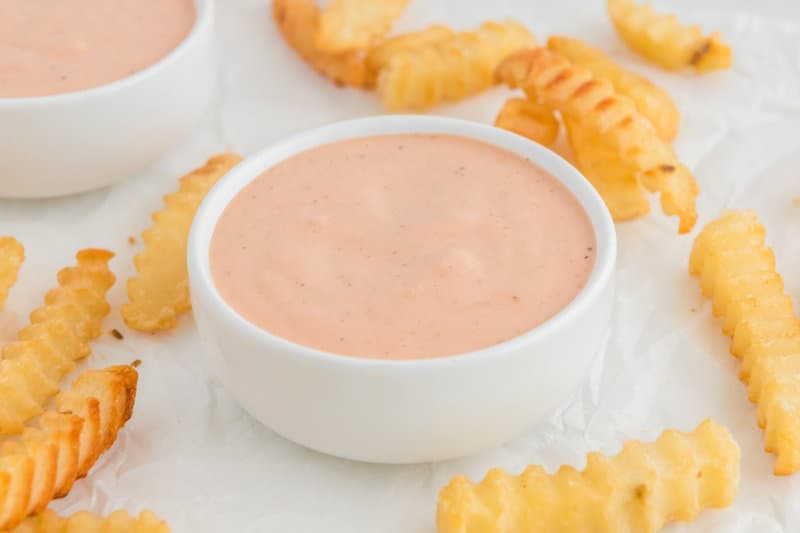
58 46
402 247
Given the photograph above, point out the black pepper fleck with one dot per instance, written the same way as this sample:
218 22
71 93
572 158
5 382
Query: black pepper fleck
117 334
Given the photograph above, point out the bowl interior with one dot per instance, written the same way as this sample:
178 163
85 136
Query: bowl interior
229 186
203 22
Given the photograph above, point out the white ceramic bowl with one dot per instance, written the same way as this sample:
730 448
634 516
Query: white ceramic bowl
73 142
403 411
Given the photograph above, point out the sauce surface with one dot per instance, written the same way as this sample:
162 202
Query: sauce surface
58 46
402 247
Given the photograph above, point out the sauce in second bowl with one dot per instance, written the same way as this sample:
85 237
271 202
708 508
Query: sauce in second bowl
402 247
51 47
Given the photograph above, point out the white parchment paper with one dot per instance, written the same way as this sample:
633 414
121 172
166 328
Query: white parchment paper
192 455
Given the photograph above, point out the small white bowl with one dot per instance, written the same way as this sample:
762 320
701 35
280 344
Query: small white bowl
403 411
73 142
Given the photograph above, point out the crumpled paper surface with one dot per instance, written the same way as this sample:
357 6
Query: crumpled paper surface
192 455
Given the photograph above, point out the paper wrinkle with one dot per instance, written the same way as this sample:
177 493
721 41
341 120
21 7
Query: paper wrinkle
193 456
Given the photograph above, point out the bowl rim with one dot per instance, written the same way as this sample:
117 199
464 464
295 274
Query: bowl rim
241 175
204 19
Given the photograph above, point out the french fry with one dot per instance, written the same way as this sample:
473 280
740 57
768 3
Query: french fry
298 21
743 227
552 80
56 337
85 522
159 293
347 25
663 40
380 54
450 69
737 271
614 178
642 489
529 119
12 254
651 101
45 461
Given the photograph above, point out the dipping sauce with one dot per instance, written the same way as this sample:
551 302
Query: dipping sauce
402 247
58 46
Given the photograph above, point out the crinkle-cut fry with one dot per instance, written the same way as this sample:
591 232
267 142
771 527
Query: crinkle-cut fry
653 102
45 351
159 293
551 79
18 470
730 262
85 522
614 178
45 461
297 21
12 254
641 489
737 270
742 227
740 287
758 331
663 40
678 189
380 54
761 357
530 119
450 69
347 25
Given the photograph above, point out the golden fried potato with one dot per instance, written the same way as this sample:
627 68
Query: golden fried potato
743 227
58 334
44 462
663 40
160 291
739 287
777 311
651 101
760 331
298 21
551 79
85 522
529 119
450 69
347 25
765 304
380 54
613 177
760 358
720 264
641 489
12 254
737 270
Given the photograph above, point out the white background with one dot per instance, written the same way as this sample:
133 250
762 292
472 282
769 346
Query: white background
194 457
